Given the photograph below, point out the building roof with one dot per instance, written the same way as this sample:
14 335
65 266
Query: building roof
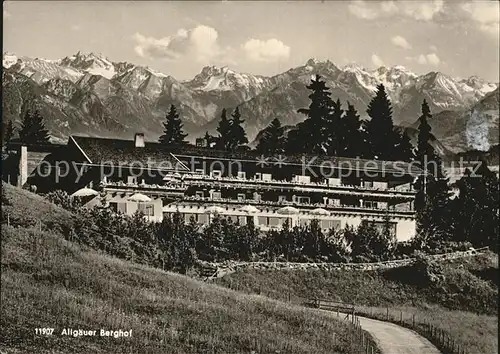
34 147
103 150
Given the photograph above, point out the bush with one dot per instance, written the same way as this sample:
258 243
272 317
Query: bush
63 199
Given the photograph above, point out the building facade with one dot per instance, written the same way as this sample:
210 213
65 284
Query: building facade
200 182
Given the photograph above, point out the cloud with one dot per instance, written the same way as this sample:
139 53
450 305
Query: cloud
377 61
389 7
418 10
486 15
6 14
422 10
76 28
200 43
270 50
426 59
360 9
433 48
400 41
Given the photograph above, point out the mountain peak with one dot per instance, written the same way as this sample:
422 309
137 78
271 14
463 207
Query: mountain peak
215 70
313 61
89 56
353 67
94 63
9 59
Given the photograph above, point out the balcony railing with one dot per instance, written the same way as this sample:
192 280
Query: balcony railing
299 186
173 188
336 207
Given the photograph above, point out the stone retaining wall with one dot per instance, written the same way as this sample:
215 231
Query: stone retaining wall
229 267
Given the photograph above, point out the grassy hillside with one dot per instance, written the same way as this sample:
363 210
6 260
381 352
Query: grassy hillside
468 284
50 282
28 209
458 296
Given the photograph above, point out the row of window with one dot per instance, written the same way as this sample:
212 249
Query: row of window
268 221
298 178
297 199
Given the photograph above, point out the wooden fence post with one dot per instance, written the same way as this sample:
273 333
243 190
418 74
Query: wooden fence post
413 319
387 314
8 219
401 316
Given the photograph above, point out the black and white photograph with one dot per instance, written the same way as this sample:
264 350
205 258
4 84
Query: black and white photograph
250 177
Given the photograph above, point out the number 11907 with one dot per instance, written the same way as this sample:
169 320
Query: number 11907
44 331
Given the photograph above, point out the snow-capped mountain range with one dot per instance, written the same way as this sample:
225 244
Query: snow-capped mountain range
88 93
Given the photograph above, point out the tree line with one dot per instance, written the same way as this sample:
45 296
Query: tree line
328 129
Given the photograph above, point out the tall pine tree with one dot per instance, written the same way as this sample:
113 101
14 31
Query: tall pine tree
380 134
404 147
237 135
335 130
434 211
173 134
209 139
33 129
273 139
477 208
312 132
9 132
224 130
352 143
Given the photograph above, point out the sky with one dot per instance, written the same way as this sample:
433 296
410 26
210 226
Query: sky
458 38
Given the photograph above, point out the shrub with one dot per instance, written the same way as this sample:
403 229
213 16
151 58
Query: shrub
63 199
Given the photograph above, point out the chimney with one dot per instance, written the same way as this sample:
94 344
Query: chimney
139 140
23 166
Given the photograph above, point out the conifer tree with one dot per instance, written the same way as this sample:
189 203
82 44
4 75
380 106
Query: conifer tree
425 151
173 134
477 207
33 129
273 139
352 143
434 218
9 132
404 147
380 134
427 157
335 133
312 132
237 135
224 130
209 139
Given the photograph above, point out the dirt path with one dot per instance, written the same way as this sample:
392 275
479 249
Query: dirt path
394 339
